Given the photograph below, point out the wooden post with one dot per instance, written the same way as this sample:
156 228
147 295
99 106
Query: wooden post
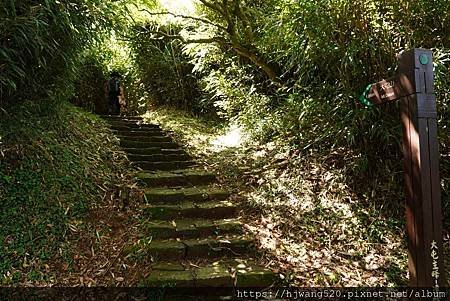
414 87
421 164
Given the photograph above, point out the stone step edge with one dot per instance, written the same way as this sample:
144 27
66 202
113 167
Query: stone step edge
188 205
219 274
115 117
152 150
125 137
193 194
132 124
166 154
189 178
207 248
159 158
190 228
209 209
136 127
133 131
163 165
137 144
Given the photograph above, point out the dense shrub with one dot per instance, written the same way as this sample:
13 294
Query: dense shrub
89 89
40 42
164 70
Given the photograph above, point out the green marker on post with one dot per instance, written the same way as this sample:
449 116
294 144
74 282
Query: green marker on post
423 58
363 98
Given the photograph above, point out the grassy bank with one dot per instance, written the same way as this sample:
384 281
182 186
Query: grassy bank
315 220
56 161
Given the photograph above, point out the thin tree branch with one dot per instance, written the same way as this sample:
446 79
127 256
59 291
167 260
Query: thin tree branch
213 6
219 40
184 17
164 35
248 30
226 15
229 10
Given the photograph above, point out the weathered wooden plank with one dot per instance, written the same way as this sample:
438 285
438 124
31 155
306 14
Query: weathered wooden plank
408 186
421 155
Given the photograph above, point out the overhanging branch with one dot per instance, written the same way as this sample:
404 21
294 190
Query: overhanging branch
231 12
184 17
213 6
164 35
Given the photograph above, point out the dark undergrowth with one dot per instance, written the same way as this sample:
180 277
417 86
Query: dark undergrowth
55 162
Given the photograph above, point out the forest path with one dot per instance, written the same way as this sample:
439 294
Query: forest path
188 229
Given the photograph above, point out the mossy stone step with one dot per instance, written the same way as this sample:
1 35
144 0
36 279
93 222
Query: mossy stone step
194 194
133 124
153 151
140 132
197 177
189 228
127 129
126 120
193 248
138 144
240 273
186 177
218 247
145 138
120 117
123 127
163 278
173 165
159 157
211 209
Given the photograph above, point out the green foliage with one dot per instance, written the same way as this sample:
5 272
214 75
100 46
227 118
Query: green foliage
89 84
53 160
327 53
164 71
40 42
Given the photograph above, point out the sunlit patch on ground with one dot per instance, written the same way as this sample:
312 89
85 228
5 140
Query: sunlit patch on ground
233 137
312 226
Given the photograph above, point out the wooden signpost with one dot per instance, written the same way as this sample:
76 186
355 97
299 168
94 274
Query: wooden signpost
414 88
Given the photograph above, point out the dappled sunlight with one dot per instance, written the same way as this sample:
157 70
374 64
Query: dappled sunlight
194 138
308 218
312 225
200 139
186 7
232 138
285 197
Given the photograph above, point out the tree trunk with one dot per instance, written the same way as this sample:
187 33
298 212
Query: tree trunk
269 69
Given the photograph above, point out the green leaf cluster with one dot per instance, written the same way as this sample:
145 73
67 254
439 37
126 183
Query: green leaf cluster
164 71
41 41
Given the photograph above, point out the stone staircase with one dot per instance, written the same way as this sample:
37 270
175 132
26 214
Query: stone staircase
192 233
